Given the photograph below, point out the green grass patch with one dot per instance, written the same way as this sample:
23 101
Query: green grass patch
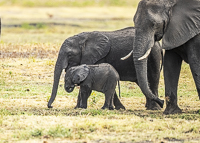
60 132
33 26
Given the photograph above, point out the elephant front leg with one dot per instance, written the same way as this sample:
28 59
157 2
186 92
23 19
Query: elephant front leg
172 67
84 95
78 105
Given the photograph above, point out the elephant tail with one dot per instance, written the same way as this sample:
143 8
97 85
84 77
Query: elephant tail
162 56
119 89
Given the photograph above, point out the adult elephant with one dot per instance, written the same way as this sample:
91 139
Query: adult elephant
107 47
177 23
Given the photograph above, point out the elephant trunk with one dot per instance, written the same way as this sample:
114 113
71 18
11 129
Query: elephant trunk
141 71
69 89
61 64
140 54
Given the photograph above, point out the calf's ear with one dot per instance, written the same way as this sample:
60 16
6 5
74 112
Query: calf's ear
80 74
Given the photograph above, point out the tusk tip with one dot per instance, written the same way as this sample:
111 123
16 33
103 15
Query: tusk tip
145 55
141 58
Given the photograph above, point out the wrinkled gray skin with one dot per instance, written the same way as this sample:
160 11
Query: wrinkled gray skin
107 47
102 78
177 23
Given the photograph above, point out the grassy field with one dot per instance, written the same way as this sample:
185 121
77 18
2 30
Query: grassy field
68 3
30 40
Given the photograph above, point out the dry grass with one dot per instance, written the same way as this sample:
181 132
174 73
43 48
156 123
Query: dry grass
28 55
26 87
62 13
67 3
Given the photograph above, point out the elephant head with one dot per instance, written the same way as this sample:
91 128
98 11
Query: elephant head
74 76
173 21
84 48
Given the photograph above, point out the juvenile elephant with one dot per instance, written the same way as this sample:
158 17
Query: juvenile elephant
177 23
107 47
101 77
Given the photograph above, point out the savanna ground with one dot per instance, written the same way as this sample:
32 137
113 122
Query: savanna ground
32 33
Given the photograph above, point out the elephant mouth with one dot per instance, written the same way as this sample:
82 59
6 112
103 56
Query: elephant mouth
69 89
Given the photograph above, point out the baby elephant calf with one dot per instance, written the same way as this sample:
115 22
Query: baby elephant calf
102 78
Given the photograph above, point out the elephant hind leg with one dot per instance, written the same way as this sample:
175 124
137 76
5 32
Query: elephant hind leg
117 103
108 101
109 95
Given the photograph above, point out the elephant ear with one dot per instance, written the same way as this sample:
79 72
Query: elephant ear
80 73
183 25
95 46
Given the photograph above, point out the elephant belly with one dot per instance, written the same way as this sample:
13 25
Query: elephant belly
127 73
125 69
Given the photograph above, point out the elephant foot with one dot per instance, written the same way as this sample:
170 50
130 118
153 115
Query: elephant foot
120 107
77 106
117 103
106 107
111 108
80 106
83 106
152 106
172 110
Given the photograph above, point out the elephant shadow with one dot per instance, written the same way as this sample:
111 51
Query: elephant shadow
111 114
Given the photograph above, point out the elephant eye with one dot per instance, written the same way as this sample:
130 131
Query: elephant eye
78 78
69 55
154 24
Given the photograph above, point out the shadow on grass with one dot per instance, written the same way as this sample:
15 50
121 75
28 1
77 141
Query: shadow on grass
111 114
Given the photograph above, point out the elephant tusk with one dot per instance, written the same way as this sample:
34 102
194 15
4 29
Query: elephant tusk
127 56
145 55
